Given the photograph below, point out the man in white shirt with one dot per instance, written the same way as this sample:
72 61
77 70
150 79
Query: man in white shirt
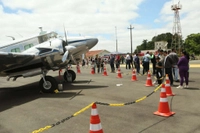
146 59
128 61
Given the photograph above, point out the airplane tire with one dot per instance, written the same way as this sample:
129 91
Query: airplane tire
71 73
51 86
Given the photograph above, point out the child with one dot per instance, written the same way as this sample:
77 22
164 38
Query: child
159 70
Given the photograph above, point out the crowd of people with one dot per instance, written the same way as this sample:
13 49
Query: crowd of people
174 66
163 63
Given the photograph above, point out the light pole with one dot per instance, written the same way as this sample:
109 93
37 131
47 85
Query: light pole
116 39
131 38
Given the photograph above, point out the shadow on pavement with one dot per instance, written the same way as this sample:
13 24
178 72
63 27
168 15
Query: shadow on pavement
153 125
190 88
14 96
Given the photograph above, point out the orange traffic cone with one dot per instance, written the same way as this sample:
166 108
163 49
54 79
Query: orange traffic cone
92 70
104 71
78 68
163 109
149 81
168 87
134 78
95 124
119 75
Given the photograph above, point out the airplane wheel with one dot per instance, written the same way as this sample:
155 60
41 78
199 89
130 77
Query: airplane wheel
50 86
71 77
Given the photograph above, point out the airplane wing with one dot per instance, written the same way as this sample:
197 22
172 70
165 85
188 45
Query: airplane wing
10 60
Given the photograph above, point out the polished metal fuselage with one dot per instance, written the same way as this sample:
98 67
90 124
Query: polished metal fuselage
43 57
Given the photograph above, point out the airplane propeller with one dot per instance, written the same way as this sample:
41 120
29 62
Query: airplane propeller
68 48
64 58
66 42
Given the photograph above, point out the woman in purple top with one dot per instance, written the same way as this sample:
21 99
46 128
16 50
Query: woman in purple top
183 66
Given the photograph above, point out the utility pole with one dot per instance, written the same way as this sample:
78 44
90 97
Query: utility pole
116 39
131 38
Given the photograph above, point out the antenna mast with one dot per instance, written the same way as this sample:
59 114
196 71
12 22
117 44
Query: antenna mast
176 31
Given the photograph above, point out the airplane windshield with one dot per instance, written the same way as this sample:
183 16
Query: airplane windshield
46 37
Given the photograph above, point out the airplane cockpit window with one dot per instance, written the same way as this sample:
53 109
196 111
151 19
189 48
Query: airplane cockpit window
53 35
43 38
46 37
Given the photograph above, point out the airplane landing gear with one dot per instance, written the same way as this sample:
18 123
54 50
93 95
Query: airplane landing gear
48 84
69 76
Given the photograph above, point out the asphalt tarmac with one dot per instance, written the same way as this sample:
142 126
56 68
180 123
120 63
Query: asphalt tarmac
23 109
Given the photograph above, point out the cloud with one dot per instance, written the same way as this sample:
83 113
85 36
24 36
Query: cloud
96 18
156 20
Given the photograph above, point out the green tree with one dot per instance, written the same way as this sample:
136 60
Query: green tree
144 44
164 37
148 45
192 43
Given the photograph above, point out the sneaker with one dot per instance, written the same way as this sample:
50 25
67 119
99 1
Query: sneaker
154 82
186 86
179 87
156 85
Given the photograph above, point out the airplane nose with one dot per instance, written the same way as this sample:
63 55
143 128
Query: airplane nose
92 42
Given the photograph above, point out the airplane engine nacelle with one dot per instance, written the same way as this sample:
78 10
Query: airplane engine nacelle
58 55
32 73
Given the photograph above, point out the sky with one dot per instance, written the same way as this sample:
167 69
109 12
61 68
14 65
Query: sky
107 20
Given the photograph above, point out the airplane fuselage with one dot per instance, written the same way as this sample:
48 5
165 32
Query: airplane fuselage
26 43
47 53
47 56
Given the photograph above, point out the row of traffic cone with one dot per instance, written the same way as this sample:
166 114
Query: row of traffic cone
167 84
134 78
163 110
119 74
163 107
104 71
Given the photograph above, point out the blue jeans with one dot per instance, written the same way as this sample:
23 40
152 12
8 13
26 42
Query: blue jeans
175 72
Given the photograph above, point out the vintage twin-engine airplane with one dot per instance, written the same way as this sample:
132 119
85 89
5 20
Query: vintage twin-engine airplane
51 53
